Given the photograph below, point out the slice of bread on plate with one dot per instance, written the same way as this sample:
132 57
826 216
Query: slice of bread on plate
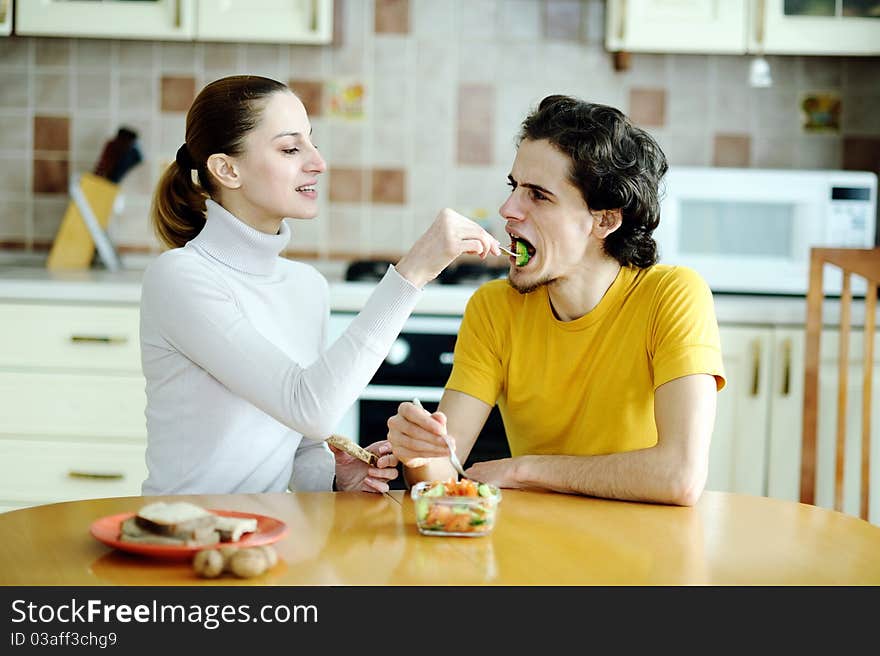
178 519
232 528
130 531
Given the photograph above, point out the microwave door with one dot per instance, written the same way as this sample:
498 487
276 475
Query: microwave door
737 245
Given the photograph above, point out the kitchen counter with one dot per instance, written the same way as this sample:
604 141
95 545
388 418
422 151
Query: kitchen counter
33 283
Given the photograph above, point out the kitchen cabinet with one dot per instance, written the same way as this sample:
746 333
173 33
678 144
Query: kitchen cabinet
72 425
756 445
117 19
802 27
7 7
275 21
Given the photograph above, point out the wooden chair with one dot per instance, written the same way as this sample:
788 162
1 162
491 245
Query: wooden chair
864 263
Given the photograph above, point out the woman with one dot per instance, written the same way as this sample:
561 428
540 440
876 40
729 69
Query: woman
241 389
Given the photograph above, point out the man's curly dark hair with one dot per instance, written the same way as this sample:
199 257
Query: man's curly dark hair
615 164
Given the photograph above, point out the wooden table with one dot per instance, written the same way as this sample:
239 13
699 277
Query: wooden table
539 539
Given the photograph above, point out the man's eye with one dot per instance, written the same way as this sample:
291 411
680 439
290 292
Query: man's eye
537 195
291 151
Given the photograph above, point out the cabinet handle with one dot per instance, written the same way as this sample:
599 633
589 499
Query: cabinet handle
759 23
786 367
177 19
756 366
313 20
4 7
98 339
621 20
99 476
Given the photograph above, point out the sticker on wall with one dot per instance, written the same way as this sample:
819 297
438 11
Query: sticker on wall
346 99
820 112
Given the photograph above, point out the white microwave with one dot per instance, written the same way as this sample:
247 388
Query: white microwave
750 230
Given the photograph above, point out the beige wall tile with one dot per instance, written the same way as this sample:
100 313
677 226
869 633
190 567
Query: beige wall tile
308 62
861 113
93 91
137 55
13 175
15 52
731 150
93 54
347 185
773 153
389 233
308 235
52 52
478 19
15 89
48 212
89 136
51 133
137 94
348 230
391 17
430 18
563 19
265 59
819 151
15 132
521 19
52 91
14 221
179 57
388 186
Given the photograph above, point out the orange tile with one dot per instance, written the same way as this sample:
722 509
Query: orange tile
476 120
347 185
392 17
562 20
647 106
731 150
52 133
389 186
861 154
50 176
311 93
177 93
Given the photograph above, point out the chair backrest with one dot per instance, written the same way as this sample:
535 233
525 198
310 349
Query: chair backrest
866 264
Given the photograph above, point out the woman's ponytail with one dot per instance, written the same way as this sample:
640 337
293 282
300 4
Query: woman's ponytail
178 211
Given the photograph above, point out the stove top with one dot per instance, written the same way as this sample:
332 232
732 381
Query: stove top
455 274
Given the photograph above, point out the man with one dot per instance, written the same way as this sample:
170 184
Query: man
605 365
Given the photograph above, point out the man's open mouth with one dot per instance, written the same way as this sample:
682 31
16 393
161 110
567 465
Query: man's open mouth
523 249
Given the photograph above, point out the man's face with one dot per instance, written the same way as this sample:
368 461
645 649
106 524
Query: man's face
546 211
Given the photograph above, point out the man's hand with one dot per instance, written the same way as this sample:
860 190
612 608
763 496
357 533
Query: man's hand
355 475
416 435
500 473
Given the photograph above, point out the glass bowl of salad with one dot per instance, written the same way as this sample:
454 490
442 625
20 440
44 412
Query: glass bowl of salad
461 508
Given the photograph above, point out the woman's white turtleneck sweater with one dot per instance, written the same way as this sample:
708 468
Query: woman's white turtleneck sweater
237 370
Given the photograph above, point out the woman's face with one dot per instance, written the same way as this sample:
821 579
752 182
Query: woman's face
280 165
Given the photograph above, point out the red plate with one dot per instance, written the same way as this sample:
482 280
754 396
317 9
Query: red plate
106 530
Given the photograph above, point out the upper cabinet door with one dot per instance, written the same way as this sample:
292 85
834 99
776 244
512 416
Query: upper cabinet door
274 21
120 19
6 9
704 26
815 27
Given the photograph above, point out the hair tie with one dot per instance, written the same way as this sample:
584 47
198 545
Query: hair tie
184 159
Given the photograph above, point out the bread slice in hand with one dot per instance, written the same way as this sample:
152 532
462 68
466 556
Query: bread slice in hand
178 519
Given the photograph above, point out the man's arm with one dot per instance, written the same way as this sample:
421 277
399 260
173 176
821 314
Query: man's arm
673 471
414 432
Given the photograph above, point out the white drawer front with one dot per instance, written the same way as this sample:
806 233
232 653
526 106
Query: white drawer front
72 405
45 472
69 336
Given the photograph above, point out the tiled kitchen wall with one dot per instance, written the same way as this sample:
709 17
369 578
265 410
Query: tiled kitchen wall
415 106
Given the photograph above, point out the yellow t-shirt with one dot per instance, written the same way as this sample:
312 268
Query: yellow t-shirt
586 387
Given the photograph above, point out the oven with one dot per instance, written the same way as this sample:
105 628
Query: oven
417 366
